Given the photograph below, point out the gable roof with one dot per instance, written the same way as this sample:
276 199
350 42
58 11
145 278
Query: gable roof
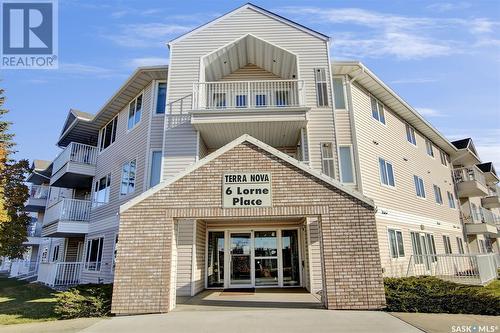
461 144
256 8
487 167
260 144
375 86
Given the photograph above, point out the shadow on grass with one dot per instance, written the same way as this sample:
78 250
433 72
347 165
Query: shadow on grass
22 302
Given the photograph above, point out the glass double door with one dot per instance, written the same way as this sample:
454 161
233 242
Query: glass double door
267 258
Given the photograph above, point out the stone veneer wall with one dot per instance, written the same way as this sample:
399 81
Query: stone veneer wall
352 271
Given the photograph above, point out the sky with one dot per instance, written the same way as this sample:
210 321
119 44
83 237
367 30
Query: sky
443 58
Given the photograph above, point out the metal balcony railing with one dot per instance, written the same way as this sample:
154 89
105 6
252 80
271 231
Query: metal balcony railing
68 210
75 152
247 94
60 273
39 191
468 174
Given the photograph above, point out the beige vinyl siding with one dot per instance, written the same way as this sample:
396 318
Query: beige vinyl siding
180 145
129 145
184 70
389 142
184 237
250 72
203 148
156 134
343 127
314 255
105 275
199 258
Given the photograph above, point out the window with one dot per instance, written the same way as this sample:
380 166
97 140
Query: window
241 101
55 253
428 147
437 195
396 244
115 251
444 158
386 172
451 199
134 112
161 98
482 246
45 254
219 100
155 169
460 245
107 134
260 100
432 246
321 86
447 244
474 213
327 159
419 186
410 135
417 247
338 93
128 178
94 254
378 110
346 164
101 190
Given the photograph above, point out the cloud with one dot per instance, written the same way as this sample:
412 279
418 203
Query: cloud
486 141
147 61
428 112
448 6
142 35
399 36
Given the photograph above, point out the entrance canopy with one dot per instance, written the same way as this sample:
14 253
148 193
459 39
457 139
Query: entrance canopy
249 49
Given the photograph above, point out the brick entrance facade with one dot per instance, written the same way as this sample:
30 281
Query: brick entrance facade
145 276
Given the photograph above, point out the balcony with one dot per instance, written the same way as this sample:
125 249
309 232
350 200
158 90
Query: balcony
37 199
66 218
492 200
74 167
60 274
484 222
470 182
272 111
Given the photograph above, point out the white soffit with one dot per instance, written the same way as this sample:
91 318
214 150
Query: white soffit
249 49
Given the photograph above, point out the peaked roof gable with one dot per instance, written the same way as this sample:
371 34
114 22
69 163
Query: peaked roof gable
263 146
257 9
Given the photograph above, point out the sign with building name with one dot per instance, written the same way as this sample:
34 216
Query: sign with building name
245 190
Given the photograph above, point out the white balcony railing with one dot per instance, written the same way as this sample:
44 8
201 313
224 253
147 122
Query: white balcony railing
68 210
57 274
487 216
476 269
247 94
75 152
468 174
39 191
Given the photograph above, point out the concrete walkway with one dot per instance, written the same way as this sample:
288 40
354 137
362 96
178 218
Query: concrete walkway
257 320
56 326
444 322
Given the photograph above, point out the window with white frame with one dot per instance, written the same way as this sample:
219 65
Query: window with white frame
338 93
134 112
128 178
321 87
396 246
155 168
377 110
346 165
93 255
444 158
437 194
55 253
460 245
327 162
410 135
107 134
474 213
428 148
482 246
451 199
101 190
419 186
447 244
161 97
386 172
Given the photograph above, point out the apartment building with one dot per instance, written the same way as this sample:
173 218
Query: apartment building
252 160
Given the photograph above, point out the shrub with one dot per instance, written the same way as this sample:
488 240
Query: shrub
88 300
432 295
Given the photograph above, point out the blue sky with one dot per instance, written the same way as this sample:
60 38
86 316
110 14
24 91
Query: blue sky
441 57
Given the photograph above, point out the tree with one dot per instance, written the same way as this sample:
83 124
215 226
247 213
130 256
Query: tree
14 221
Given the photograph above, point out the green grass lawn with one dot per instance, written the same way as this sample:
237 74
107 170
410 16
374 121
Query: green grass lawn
22 302
493 288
